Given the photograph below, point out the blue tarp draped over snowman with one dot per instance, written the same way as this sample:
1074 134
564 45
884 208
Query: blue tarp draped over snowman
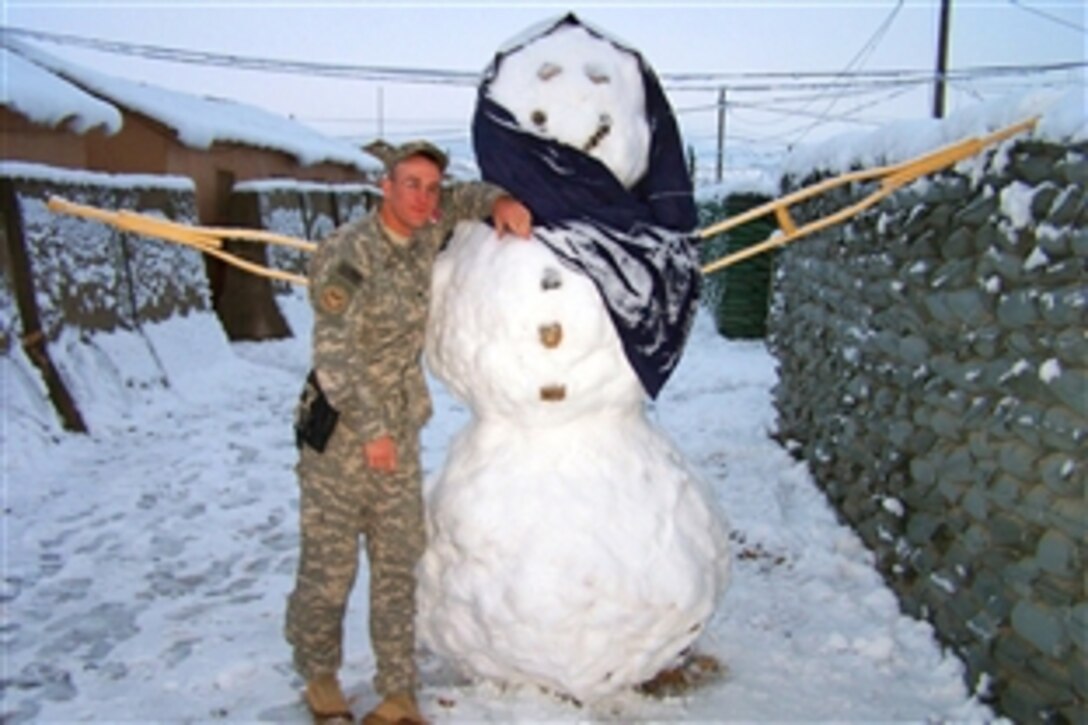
634 242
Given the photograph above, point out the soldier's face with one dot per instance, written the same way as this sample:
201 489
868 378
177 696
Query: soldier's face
411 192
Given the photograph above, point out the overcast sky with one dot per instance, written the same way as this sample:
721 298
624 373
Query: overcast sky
677 37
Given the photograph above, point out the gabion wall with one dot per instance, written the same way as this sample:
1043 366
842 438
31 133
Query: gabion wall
301 210
91 276
933 374
74 289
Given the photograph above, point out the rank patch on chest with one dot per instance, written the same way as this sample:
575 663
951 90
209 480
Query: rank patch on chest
333 299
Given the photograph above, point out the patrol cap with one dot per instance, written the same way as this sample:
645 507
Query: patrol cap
392 155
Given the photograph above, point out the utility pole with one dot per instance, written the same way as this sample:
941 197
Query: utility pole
721 132
942 59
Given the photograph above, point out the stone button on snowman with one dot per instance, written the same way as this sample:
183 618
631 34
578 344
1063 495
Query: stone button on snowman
570 545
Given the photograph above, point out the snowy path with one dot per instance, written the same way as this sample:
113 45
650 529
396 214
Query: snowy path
145 568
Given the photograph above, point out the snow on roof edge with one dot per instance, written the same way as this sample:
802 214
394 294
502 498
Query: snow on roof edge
44 172
282 184
44 98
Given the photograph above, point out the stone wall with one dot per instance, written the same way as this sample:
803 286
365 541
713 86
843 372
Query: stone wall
934 375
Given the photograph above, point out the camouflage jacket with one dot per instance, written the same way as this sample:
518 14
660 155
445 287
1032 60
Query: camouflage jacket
370 297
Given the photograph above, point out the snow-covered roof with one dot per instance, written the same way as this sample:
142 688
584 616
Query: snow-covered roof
47 99
40 86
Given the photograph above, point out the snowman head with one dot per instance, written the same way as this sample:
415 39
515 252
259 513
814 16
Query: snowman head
577 87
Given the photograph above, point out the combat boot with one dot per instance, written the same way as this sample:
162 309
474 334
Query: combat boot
326 701
398 709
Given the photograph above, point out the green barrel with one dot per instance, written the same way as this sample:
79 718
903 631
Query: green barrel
740 294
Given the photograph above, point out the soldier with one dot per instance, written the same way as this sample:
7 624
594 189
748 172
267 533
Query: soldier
358 425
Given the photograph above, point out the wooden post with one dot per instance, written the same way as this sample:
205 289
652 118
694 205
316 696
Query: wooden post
247 303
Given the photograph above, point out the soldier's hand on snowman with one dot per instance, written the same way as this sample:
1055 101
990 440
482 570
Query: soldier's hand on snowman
510 215
381 454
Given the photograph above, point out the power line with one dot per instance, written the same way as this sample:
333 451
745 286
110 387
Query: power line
695 80
683 81
242 62
856 61
866 50
788 87
848 116
1053 18
877 36
903 77
838 118
808 92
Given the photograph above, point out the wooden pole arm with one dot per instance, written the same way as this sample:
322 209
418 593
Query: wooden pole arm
891 178
206 239
175 231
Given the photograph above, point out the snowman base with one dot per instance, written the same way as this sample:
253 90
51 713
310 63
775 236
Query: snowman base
696 670
570 546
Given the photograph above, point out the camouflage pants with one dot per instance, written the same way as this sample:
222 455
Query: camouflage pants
342 499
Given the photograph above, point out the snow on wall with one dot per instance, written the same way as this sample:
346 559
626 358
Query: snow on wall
753 181
1063 118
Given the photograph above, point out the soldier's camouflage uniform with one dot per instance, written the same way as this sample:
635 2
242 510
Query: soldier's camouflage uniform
370 297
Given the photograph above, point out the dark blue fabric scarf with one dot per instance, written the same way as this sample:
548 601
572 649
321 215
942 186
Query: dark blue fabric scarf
635 244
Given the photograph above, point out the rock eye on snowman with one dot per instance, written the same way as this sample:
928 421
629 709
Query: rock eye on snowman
597 75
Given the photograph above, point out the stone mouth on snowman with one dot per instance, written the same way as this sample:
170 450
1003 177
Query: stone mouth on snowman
570 546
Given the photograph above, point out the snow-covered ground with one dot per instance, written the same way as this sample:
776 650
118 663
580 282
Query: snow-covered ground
145 566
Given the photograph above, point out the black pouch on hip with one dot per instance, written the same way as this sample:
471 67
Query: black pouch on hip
317 420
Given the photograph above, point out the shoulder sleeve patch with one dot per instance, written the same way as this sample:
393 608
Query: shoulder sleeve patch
333 298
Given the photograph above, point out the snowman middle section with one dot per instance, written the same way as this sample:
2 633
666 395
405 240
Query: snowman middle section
569 544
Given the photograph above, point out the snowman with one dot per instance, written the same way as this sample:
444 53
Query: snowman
570 545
